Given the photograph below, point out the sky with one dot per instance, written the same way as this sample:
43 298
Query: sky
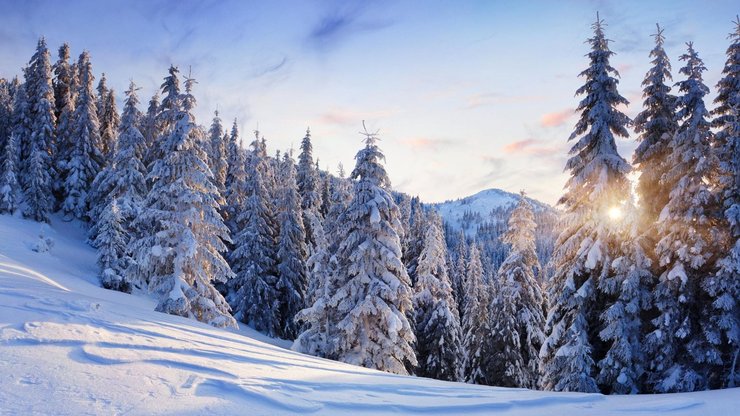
465 95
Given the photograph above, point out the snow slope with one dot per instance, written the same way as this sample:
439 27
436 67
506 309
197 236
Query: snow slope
480 206
68 347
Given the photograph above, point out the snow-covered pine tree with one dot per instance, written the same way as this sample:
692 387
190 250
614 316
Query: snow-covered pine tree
439 346
476 325
457 269
219 153
253 292
85 159
166 115
655 125
39 171
308 187
370 294
9 176
326 242
517 315
292 251
6 116
233 155
235 183
326 181
111 241
725 288
415 237
679 353
588 241
180 257
316 336
404 207
341 196
124 179
62 80
21 126
109 123
149 128
64 83
622 369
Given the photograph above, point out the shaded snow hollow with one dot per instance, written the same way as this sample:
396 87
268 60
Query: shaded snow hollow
69 347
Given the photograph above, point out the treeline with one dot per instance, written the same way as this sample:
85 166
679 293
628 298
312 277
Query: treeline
644 293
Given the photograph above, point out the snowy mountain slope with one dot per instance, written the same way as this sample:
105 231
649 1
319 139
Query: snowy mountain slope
469 212
68 347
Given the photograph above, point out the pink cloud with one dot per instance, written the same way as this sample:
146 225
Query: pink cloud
531 147
519 146
351 117
424 143
556 118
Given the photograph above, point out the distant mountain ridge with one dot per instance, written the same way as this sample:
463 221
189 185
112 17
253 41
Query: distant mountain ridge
468 213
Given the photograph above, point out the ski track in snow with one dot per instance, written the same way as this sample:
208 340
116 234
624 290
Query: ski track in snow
68 347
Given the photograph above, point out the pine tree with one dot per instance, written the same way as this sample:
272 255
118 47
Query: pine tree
21 128
109 121
6 116
180 257
686 231
86 158
64 94
111 241
415 238
325 194
291 253
253 292
476 326
326 239
101 97
166 114
517 316
725 288
9 177
457 273
123 180
149 128
623 366
233 154
308 187
38 171
439 346
588 241
362 316
655 125
62 80
235 183
219 153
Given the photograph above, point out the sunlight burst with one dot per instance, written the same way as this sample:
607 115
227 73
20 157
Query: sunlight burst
615 213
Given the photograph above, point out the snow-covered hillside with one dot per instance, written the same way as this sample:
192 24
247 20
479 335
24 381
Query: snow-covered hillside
68 347
469 212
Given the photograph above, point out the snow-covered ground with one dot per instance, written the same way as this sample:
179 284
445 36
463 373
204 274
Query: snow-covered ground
68 347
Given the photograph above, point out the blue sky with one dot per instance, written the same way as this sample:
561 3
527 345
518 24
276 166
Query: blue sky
466 95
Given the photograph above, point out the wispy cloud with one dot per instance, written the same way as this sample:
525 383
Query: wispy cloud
496 170
556 118
491 98
340 23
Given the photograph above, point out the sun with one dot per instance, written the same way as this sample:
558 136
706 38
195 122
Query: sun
615 213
